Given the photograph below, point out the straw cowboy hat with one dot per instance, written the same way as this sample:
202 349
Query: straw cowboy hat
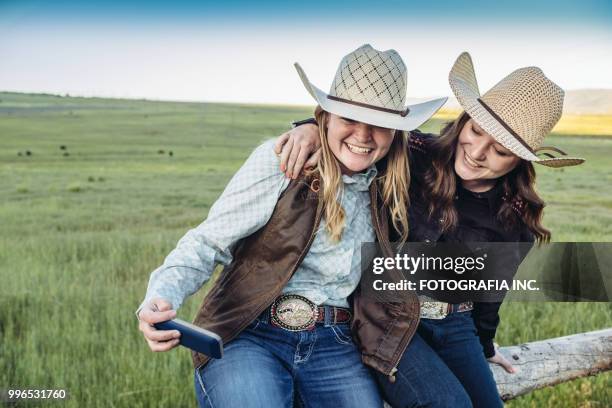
370 87
518 112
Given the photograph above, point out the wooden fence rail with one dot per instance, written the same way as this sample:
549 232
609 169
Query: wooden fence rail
553 361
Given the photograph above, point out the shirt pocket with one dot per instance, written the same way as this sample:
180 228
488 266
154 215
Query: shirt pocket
335 263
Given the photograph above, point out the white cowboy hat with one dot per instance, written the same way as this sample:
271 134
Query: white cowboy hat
370 87
518 112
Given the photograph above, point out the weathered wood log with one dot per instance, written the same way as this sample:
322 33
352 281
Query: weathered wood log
553 361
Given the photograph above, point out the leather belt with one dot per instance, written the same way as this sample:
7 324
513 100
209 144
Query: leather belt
432 309
296 313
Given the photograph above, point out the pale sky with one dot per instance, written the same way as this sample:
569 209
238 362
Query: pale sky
251 60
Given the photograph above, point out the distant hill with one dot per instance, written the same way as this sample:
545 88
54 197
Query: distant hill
577 102
588 101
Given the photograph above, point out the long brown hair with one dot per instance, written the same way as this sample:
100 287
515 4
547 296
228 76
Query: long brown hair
394 182
521 202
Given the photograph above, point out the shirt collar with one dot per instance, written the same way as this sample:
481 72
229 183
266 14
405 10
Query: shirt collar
492 196
360 181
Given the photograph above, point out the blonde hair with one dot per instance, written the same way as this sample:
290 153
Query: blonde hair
393 179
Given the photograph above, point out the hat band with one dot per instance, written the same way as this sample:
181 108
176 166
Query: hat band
365 105
542 151
505 125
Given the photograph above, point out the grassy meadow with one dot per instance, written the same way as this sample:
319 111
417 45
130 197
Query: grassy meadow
84 225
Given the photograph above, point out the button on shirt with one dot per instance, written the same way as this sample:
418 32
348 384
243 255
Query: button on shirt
329 272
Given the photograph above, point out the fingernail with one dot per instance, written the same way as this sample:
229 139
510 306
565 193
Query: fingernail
177 334
282 168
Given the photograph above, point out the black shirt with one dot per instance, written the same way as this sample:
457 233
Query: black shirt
477 222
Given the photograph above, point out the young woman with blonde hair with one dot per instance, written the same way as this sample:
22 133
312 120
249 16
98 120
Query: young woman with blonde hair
290 250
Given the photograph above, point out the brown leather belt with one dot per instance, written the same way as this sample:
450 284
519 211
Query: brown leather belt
432 309
295 313
337 315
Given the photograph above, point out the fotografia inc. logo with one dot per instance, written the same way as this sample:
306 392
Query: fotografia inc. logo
486 271
455 279
469 285
452 272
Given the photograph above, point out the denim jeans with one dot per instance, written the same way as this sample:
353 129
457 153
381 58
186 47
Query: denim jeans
443 366
267 366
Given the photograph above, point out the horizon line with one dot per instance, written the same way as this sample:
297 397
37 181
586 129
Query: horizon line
147 99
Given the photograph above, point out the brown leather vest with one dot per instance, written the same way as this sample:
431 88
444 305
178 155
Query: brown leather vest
264 262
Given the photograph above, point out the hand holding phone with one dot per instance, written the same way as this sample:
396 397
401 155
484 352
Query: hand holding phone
156 311
194 337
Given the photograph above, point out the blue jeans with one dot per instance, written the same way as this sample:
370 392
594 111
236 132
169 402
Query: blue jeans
443 366
266 366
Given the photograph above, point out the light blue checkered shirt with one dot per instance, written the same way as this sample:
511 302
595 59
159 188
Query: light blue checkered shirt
328 274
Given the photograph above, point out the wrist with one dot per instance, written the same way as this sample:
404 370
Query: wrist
488 347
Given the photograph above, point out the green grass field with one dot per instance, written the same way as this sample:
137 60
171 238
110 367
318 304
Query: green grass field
83 227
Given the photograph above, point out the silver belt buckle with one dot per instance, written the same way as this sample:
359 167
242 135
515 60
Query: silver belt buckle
433 310
293 313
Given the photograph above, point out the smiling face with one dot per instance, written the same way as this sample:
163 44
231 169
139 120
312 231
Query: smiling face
480 159
357 145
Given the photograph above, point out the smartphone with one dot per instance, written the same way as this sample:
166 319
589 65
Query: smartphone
194 337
